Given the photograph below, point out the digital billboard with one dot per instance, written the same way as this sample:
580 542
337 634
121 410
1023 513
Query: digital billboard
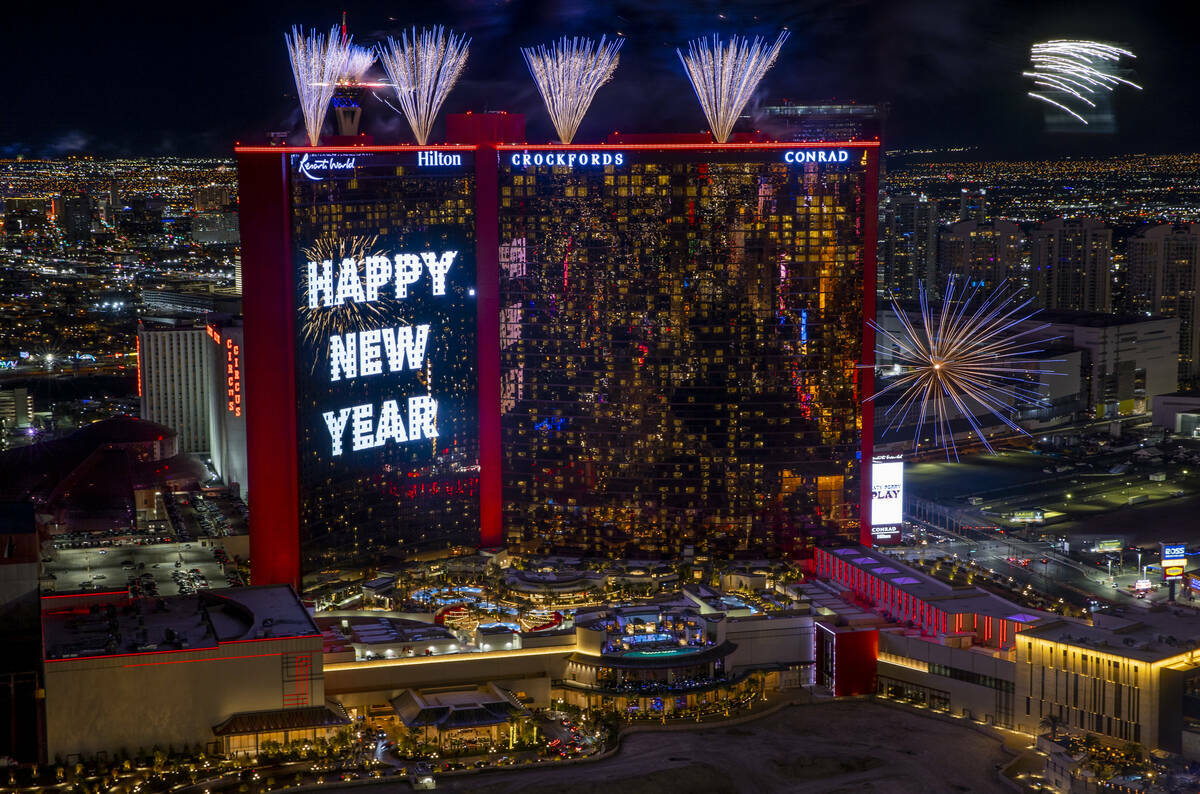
887 499
384 291
1174 560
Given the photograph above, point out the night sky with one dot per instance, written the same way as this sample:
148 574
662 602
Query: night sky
187 78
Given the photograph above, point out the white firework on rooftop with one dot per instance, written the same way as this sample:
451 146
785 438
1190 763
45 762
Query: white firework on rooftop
1071 72
568 73
725 76
423 69
961 357
317 63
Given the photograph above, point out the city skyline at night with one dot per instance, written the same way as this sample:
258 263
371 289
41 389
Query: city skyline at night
600 396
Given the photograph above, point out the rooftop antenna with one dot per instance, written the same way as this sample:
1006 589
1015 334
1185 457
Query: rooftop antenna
317 62
423 69
725 75
568 74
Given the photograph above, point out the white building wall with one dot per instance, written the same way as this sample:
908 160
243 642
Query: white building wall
176 370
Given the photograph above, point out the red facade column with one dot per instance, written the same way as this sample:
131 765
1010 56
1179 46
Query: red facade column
270 383
487 331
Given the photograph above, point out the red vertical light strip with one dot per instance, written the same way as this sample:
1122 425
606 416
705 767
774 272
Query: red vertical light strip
487 331
866 375
139 361
270 371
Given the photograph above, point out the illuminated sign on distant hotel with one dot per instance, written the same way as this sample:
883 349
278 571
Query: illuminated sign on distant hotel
436 158
318 167
568 159
816 156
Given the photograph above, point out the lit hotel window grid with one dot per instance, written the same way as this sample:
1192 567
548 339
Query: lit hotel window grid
417 495
679 343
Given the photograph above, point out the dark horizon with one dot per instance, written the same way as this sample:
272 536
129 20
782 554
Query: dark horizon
171 81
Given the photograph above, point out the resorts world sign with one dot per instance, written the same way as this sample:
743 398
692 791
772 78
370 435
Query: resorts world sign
375 351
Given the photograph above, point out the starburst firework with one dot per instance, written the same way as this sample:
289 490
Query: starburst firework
1074 71
317 63
423 70
568 74
317 325
961 358
725 76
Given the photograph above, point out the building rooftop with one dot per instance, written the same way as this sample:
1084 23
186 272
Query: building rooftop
1152 635
111 624
949 598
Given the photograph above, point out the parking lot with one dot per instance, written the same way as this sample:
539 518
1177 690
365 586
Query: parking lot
159 569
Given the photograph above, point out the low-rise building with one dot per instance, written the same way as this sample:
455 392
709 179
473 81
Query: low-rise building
221 670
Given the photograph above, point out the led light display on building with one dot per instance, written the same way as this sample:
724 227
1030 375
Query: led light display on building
681 328
887 499
384 302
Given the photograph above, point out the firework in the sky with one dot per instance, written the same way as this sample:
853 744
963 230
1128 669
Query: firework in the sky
317 63
423 69
317 325
568 73
359 60
961 357
1070 73
725 75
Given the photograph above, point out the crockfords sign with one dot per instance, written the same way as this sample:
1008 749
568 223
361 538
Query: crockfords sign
817 156
568 159
318 167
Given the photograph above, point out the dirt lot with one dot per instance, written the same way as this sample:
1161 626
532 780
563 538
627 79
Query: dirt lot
830 747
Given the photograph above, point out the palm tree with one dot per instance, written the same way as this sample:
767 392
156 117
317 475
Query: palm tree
1051 723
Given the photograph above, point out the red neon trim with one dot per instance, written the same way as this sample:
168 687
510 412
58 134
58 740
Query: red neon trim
85 594
404 147
566 147
213 659
217 646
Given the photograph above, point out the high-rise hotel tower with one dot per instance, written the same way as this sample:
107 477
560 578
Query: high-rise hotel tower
630 348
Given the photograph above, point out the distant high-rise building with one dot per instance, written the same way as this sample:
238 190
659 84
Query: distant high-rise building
1071 265
1164 279
226 403
986 254
831 121
215 228
910 227
174 373
75 218
16 408
212 198
972 204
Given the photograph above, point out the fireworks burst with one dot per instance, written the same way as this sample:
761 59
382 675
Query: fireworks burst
317 62
568 73
358 61
423 70
1074 71
725 76
317 325
962 356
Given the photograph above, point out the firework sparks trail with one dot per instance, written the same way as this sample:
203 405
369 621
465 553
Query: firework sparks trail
317 62
423 70
359 60
317 325
967 355
568 74
724 76
1075 71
